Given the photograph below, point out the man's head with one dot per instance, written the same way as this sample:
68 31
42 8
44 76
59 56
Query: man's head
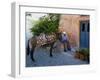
64 32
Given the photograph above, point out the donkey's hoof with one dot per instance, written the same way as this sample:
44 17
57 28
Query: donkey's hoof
27 54
65 50
51 55
33 60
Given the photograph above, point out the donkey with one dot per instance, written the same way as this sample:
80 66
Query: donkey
42 40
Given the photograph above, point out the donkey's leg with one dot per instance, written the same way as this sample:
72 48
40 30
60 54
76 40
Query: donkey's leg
51 48
28 49
32 54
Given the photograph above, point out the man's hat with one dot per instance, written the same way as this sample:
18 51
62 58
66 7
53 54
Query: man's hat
64 32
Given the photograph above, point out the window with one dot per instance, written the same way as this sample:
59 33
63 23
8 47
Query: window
83 27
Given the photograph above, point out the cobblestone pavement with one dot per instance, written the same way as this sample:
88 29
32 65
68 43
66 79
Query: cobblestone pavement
42 58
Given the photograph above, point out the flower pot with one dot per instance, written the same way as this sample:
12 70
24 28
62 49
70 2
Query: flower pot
77 56
82 57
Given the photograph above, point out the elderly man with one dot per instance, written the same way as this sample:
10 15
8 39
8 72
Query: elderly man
65 42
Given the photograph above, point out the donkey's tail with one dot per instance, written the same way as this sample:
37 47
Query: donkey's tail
27 48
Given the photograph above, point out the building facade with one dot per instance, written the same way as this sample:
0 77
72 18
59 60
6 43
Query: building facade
77 29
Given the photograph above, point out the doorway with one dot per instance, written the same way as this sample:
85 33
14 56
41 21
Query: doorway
84 34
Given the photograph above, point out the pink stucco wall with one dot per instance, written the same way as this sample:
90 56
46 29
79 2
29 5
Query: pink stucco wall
71 25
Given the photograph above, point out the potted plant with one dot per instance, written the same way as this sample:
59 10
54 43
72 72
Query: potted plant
82 54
